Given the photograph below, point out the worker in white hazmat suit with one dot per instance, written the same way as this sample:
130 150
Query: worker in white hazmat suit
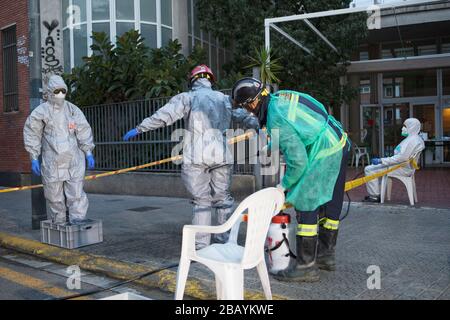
58 131
409 147
207 167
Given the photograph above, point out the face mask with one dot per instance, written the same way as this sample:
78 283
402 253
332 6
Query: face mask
59 98
404 132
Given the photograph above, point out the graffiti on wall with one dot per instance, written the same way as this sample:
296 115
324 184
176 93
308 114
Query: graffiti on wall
22 51
51 64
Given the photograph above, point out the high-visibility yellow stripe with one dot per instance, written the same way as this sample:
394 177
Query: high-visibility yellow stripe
349 185
329 223
307 230
310 119
147 165
292 113
35 284
335 148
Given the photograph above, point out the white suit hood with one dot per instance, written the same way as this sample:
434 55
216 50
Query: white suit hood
408 148
413 126
55 82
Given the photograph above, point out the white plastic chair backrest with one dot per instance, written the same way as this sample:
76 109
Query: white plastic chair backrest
364 133
416 157
261 207
355 148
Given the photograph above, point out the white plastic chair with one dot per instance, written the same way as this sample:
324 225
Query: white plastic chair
228 261
359 153
408 181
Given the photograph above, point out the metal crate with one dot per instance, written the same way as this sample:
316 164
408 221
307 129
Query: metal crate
72 236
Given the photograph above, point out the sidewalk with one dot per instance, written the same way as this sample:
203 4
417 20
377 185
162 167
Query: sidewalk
433 188
410 245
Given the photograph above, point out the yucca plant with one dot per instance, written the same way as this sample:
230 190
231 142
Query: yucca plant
268 65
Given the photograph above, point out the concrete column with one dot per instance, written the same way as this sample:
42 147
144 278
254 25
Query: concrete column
52 38
38 203
180 23
344 118
354 128
439 116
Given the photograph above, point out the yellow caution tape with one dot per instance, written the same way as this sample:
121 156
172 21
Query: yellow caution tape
361 181
348 185
147 165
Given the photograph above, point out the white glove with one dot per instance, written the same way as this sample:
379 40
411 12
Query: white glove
281 188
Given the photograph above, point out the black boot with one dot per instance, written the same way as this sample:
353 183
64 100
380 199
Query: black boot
304 269
374 199
326 250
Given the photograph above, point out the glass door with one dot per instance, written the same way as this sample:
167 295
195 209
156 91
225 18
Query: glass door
446 132
426 114
370 133
393 117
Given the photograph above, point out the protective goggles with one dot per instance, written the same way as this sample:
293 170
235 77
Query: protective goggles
56 91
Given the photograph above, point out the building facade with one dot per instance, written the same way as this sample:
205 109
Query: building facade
158 21
14 89
65 33
402 71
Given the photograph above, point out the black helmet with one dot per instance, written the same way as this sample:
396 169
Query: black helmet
245 91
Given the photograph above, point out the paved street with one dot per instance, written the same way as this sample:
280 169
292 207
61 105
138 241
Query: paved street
411 246
23 277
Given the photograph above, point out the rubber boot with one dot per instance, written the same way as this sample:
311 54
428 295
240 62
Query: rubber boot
304 269
326 250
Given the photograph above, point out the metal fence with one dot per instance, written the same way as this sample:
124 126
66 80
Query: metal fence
110 122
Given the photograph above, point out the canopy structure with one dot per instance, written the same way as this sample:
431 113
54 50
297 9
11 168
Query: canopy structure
374 11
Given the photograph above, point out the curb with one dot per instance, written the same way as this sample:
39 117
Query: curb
164 280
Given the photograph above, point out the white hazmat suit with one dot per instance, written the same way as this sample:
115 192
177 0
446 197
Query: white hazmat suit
412 144
59 131
207 167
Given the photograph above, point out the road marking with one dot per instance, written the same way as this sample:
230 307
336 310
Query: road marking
35 284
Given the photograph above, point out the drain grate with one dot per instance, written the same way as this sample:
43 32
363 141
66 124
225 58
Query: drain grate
143 209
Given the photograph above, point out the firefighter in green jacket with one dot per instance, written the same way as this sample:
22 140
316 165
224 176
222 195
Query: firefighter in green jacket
315 148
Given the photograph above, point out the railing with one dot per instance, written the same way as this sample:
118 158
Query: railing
110 122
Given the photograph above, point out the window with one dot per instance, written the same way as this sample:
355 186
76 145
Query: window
66 39
364 90
409 48
166 12
10 81
445 46
101 27
80 44
425 113
79 7
388 92
417 83
125 10
396 50
426 50
114 17
446 81
363 55
166 35
100 10
148 10
148 32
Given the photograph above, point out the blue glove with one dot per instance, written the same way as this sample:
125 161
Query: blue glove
91 161
376 161
130 134
36 167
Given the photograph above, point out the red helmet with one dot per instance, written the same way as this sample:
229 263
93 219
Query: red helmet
201 71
